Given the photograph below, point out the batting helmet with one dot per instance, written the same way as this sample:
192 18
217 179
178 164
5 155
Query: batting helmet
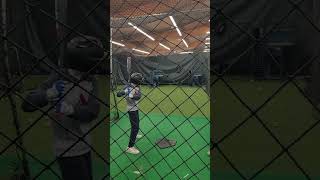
83 53
136 78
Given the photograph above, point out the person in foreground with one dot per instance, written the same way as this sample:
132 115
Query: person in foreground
73 96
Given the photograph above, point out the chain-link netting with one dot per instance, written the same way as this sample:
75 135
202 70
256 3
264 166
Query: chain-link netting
266 109
166 133
51 91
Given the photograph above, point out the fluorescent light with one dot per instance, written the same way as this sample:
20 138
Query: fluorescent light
185 43
138 50
173 21
186 52
208 32
164 46
207 43
117 43
206 50
207 38
179 32
135 27
175 25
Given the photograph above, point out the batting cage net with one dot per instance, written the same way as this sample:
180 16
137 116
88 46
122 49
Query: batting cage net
54 105
266 85
57 66
165 134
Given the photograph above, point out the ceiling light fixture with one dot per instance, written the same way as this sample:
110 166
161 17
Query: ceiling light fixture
185 43
117 43
173 21
164 46
186 52
138 50
175 25
179 32
141 31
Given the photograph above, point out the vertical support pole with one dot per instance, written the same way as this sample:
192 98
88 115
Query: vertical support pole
208 74
111 64
113 87
61 7
129 68
11 98
113 79
111 51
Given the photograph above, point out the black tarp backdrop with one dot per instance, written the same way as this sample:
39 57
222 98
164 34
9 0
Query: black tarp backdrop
309 38
35 30
232 43
15 14
177 68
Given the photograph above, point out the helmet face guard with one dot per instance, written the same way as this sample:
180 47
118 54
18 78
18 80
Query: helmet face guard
136 78
83 53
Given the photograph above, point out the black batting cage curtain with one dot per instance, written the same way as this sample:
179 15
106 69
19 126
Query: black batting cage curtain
176 68
240 20
32 26
235 27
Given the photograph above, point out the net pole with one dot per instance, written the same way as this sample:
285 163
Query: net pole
11 98
113 81
61 7
111 53
129 68
208 75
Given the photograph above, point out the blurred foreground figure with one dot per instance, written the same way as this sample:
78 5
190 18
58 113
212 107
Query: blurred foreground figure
73 98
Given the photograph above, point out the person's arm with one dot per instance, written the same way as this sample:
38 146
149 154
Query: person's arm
53 77
38 98
89 111
34 100
123 92
135 94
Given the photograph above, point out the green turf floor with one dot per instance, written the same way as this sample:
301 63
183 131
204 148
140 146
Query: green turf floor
166 111
250 148
189 156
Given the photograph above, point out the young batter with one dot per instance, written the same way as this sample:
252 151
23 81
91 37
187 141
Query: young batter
132 94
